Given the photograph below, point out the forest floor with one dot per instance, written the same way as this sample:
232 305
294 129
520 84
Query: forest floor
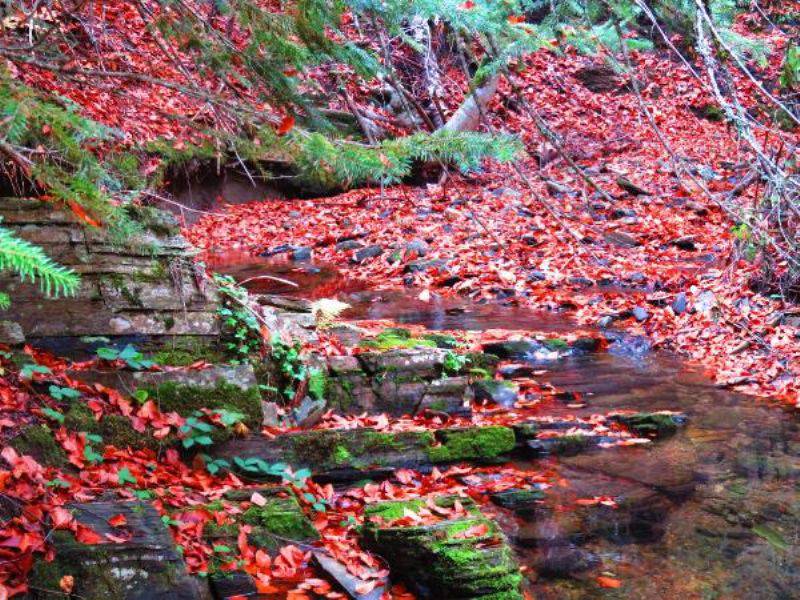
647 250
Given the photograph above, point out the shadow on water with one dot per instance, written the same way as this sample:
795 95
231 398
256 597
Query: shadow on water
712 511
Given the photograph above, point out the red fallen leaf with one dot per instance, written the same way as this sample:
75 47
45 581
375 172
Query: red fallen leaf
66 583
467 5
61 517
608 582
286 125
366 587
118 520
474 531
84 216
516 19
238 597
86 535
264 584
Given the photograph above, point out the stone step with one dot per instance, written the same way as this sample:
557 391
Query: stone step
145 567
347 454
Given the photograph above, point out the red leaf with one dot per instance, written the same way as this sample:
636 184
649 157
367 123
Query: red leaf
608 582
286 125
118 520
61 517
81 213
87 536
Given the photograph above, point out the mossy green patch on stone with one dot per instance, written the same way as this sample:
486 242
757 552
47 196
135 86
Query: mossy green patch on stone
476 443
397 337
186 399
466 557
184 352
116 430
655 424
556 344
281 517
38 441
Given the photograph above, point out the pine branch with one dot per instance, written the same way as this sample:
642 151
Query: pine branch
31 263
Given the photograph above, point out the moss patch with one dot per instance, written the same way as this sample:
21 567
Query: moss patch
116 430
281 517
38 442
185 399
397 337
478 443
439 559
184 352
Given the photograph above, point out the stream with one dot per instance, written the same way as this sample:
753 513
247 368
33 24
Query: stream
711 512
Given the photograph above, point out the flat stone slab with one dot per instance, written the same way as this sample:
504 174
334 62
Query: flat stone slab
146 566
350 453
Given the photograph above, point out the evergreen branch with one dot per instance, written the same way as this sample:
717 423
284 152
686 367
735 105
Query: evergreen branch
31 263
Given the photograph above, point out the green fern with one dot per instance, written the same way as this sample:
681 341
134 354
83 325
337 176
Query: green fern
31 263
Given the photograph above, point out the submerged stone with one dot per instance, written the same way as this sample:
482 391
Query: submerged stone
655 424
502 393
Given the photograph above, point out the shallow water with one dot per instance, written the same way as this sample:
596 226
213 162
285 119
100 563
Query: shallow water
711 512
313 281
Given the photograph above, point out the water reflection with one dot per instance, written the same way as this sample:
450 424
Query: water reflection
711 512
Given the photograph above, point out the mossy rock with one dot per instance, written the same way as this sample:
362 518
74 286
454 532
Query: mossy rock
185 399
147 565
344 454
655 424
38 441
184 351
397 337
278 522
116 430
466 557
474 443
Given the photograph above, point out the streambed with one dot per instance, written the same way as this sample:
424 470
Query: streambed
712 511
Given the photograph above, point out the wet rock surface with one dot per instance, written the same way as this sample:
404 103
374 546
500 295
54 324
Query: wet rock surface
466 557
145 566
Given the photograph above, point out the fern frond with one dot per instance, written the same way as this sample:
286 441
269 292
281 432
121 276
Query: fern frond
31 263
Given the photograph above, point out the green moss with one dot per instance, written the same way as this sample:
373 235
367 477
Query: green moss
213 531
116 430
341 455
318 384
441 340
340 393
556 344
437 558
649 424
281 517
38 441
390 511
95 573
184 352
396 337
569 445
478 443
186 399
